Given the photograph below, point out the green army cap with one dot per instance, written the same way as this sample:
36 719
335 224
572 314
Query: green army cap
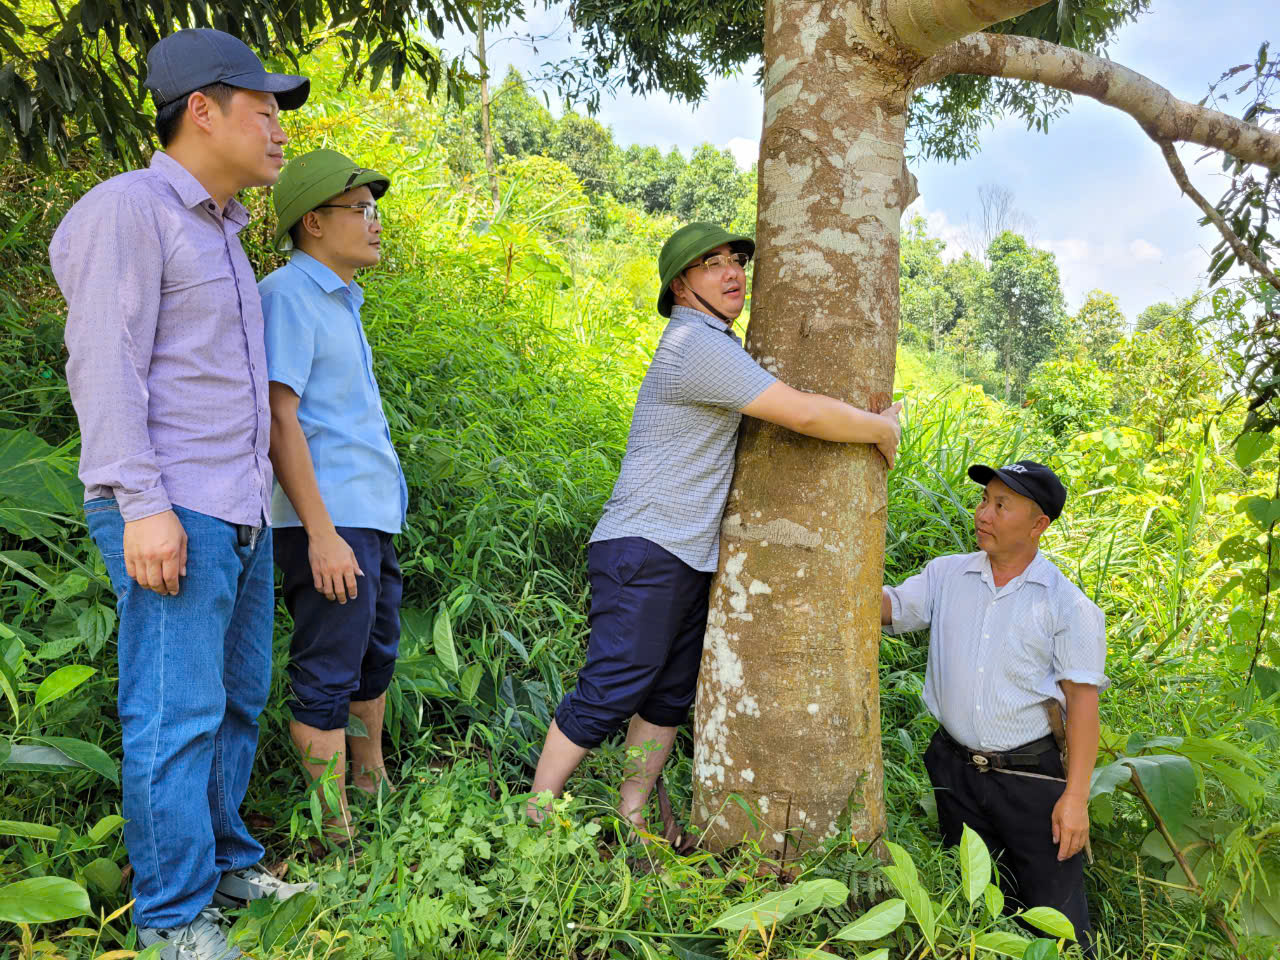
309 180
688 244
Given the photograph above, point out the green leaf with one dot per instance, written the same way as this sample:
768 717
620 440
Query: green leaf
880 921
43 900
104 875
356 727
288 920
1003 944
36 831
35 483
61 682
1263 511
1051 921
1250 446
442 635
104 828
471 681
975 865
813 953
781 905
86 755
1106 779
1041 949
902 874
9 684
1170 782
994 898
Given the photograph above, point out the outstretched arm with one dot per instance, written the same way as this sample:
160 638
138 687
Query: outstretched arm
826 418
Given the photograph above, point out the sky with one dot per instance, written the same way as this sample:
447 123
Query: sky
1094 189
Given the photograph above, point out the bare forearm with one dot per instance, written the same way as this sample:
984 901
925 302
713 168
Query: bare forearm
831 419
291 459
1082 737
886 608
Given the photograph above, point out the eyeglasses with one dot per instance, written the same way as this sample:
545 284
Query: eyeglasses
370 210
721 260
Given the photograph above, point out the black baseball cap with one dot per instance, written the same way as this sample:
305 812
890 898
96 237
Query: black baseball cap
187 60
1033 480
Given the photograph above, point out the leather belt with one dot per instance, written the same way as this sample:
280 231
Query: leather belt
1027 755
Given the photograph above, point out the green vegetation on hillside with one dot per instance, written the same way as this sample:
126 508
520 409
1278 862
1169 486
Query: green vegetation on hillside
509 350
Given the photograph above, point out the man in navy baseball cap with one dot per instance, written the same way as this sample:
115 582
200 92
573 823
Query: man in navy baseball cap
185 61
1032 480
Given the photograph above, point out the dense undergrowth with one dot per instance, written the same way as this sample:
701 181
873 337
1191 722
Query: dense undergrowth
509 350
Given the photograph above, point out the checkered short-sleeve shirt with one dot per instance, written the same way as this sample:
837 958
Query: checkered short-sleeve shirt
679 462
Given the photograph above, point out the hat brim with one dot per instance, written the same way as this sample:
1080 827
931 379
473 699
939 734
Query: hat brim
981 473
377 183
736 242
290 91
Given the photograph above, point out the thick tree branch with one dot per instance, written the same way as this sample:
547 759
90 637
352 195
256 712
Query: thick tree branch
926 26
1238 246
1163 116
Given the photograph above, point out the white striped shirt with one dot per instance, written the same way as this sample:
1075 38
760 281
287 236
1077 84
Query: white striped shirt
996 654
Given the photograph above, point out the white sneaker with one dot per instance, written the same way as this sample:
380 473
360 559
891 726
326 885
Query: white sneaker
238 887
204 938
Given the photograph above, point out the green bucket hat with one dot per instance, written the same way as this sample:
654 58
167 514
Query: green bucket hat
311 179
686 245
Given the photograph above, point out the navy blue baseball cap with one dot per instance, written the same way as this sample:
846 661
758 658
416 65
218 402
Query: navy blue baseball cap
1030 479
185 61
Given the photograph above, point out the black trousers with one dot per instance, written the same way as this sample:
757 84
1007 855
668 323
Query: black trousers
1013 816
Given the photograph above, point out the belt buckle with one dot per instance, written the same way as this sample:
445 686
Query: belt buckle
981 762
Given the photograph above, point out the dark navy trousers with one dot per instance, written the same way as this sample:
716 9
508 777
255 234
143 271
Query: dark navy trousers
648 617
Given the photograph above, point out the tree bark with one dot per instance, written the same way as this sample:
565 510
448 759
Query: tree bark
1163 116
483 57
788 712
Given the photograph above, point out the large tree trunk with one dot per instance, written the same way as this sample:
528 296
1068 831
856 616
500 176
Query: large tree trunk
788 710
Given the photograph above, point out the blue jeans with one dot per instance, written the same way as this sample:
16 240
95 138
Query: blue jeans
195 670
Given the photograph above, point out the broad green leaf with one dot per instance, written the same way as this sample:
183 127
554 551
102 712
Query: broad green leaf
470 682
881 954
1138 742
288 920
86 755
644 950
104 828
36 482
104 875
1041 949
1250 446
1002 944
1051 921
20 828
975 865
819 894
880 921
1170 782
61 682
690 948
781 905
1263 511
813 953
442 635
43 900
994 898
1106 779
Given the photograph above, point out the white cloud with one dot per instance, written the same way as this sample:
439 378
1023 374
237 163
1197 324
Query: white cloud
745 151
1143 251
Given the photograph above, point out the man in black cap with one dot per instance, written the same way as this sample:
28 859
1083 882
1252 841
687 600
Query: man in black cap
1012 642
168 374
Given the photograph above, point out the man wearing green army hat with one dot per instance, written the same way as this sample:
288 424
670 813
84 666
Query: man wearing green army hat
340 495
653 552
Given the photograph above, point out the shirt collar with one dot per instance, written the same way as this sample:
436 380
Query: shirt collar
190 191
681 312
325 278
1036 572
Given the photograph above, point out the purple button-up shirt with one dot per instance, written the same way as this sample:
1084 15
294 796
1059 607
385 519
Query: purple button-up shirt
167 367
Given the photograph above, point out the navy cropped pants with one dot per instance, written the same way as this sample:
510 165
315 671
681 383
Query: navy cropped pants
648 617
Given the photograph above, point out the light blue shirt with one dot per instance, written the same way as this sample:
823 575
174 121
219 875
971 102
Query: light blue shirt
997 653
317 348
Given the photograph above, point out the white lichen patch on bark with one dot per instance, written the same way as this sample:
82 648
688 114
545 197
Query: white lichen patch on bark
780 530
